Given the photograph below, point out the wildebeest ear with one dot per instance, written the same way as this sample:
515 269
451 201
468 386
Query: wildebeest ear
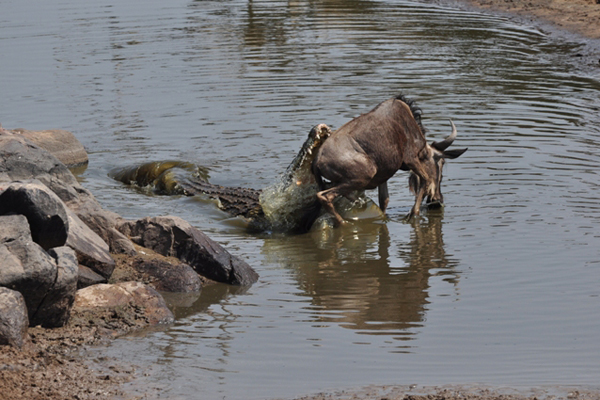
455 153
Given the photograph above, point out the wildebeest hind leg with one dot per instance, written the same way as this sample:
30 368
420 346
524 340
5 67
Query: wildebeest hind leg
384 196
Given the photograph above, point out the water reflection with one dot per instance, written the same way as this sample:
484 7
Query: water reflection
362 278
185 305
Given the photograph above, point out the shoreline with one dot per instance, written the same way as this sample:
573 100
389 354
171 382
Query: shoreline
575 17
580 17
572 20
459 392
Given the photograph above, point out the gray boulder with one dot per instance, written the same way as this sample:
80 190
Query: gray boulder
21 159
47 288
172 236
87 277
62 144
165 276
53 224
45 212
13 318
55 308
24 265
91 250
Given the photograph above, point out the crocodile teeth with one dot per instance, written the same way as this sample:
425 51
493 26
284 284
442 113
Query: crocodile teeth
309 151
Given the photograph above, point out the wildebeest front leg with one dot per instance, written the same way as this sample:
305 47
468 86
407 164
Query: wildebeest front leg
326 197
416 209
418 186
384 196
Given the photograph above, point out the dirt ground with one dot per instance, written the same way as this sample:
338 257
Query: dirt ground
55 364
455 392
578 16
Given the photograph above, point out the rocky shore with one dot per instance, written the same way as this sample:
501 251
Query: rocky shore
73 273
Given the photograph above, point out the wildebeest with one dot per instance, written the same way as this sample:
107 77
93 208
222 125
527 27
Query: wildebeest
367 151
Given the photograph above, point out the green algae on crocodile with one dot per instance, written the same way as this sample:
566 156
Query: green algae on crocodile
289 204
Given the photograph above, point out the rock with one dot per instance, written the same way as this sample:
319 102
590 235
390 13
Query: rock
119 243
24 266
91 250
122 306
87 277
101 221
172 236
47 283
13 318
45 212
53 224
166 277
165 274
55 308
22 160
62 144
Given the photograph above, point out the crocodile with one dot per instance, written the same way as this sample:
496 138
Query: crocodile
289 204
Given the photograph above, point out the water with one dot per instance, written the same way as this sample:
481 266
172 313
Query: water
501 287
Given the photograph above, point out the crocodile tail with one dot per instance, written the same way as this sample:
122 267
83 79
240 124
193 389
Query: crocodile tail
235 201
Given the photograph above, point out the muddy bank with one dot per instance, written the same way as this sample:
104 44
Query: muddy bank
577 20
578 16
456 392
581 17
53 365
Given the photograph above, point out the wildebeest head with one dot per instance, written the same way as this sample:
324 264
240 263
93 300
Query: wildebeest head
433 158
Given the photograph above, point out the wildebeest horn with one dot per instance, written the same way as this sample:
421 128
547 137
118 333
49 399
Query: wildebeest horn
444 144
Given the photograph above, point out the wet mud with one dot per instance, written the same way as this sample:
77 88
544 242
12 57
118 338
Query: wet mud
54 364
452 392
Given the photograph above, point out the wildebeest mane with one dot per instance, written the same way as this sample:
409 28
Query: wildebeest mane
414 109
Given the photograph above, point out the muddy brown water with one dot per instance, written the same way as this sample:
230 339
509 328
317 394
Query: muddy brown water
501 287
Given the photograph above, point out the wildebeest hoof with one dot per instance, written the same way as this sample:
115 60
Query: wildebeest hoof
342 222
412 214
434 205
